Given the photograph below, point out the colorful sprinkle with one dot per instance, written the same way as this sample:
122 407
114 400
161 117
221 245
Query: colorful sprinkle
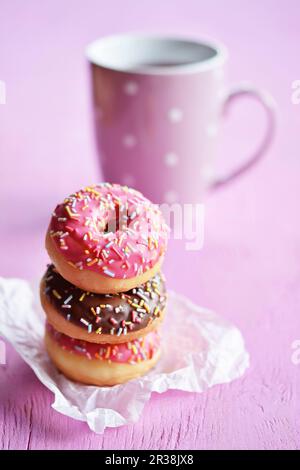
56 294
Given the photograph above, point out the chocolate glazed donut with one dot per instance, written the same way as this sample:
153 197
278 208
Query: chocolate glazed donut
103 317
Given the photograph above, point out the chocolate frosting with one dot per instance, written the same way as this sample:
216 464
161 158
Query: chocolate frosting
114 314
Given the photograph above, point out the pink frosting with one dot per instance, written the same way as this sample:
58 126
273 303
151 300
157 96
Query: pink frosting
109 229
132 352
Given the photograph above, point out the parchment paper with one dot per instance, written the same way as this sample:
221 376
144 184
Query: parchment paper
200 349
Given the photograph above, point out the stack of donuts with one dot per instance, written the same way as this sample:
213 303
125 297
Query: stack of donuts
104 295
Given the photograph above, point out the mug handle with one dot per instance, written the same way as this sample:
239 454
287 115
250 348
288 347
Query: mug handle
268 104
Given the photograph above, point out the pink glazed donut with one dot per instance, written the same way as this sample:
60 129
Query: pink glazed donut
102 365
107 238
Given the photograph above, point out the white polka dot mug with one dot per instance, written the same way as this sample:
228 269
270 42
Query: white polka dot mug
158 103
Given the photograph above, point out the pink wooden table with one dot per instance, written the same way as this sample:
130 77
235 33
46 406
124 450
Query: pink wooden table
249 268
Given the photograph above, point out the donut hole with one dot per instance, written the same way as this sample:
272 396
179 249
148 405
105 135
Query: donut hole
117 220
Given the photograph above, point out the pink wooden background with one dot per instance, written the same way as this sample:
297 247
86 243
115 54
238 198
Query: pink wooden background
249 269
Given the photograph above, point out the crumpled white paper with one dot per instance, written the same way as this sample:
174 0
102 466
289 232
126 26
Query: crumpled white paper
200 349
